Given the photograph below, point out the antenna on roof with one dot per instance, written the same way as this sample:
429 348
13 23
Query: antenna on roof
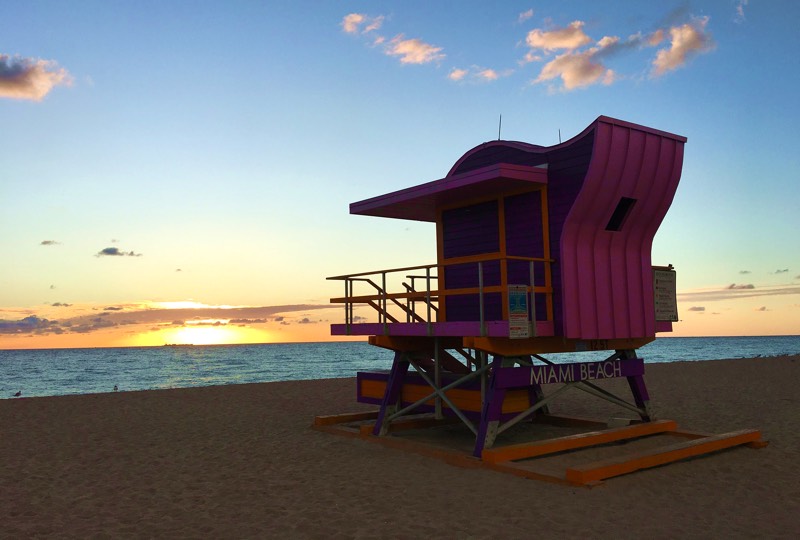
500 126
559 135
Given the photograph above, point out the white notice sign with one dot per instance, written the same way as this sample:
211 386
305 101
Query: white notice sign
518 323
665 301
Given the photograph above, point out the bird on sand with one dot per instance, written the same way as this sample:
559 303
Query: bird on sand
18 394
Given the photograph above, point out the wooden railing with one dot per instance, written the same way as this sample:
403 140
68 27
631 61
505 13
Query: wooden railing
411 294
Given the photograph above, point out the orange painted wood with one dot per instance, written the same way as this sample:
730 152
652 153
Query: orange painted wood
599 470
344 417
410 423
572 442
466 400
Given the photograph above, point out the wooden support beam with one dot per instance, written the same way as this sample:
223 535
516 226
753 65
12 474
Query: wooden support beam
617 466
572 442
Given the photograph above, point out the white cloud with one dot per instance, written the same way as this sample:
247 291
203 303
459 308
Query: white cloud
457 74
352 23
30 78
487 75
524 16
569 38
413 51
685 41
740 18
576 70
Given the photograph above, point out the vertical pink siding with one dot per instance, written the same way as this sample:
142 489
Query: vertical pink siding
606 275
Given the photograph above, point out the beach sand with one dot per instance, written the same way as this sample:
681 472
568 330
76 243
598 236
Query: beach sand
242 461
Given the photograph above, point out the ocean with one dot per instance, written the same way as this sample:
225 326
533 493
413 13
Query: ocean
52 372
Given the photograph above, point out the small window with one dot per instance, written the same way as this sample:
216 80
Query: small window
620 214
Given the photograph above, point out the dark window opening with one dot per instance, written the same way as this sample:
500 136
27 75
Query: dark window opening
620 214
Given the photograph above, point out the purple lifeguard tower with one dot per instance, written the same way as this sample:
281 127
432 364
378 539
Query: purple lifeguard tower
540 250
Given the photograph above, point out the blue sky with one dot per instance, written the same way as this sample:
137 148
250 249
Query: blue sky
206 152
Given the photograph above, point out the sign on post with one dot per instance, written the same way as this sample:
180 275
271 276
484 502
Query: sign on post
665 301
518 322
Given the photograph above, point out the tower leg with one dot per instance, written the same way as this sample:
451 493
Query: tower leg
391 396
638 388
491 411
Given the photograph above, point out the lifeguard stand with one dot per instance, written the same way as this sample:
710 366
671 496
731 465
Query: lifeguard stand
540 250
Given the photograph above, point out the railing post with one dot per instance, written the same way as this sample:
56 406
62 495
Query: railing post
437 373
480 297
348 316
383 303
532 332
428 297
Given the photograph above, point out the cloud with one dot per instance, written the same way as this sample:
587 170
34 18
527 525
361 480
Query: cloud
30 78
576 70
113 316
697 308
745 272
413 51
249 321
797 276
477 74
29 325
49 243
60 304
655 38
524 16
570 38
116 252
457 74
734 286
783 271
352 23
685 41
735 291
762 308
739 17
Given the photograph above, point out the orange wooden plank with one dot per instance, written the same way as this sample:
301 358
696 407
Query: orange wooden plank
466 400
345 417
599 470
572 442
404 424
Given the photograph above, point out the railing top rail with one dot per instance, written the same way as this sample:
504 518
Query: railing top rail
390 270
454 261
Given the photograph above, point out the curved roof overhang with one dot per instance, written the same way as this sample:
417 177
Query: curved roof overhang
489 169
420 203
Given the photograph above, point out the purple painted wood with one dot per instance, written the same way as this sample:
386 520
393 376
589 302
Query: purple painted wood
521 377
420 203
492 408
444 329
608 190
393 387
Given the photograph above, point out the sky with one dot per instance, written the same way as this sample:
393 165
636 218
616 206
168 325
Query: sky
180 172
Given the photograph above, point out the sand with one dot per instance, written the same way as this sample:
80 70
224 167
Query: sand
242 461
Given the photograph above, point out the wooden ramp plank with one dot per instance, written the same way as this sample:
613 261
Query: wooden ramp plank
572 442
608 468
343 418
406 424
